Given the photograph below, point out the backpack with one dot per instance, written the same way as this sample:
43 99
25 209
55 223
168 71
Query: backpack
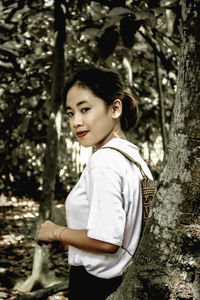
148 187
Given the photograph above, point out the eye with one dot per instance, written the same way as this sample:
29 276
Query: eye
69 114
85 109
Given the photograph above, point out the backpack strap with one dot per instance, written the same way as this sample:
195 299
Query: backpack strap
131 159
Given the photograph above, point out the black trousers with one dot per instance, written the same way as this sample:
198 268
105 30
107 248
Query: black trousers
84 286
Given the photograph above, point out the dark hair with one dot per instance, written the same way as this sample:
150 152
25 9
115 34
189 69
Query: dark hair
108 86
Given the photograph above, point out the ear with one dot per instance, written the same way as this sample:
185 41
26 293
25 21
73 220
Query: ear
116 109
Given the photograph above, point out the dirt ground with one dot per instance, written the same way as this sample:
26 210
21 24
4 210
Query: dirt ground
18 219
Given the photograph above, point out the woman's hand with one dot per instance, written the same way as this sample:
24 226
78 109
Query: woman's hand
57 247
48 233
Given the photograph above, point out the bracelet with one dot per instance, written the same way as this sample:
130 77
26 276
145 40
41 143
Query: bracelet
59 238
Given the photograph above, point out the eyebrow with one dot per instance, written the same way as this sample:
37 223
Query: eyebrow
78 104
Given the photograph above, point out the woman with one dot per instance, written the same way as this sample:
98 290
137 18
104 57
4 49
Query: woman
104 209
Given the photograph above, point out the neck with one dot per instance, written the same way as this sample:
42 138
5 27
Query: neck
119 134
116 133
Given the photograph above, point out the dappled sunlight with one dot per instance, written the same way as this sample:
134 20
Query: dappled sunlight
17 243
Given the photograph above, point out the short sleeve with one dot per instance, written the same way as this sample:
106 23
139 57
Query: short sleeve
106 220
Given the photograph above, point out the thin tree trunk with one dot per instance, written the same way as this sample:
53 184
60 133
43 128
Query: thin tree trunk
166 265
161 102
40 274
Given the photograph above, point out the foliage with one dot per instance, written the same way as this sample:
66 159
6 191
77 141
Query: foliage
124 35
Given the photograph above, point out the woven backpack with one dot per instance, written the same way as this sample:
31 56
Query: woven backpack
148 187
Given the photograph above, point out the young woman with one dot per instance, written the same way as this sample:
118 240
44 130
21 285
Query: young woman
104 209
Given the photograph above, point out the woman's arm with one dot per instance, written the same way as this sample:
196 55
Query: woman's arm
50 232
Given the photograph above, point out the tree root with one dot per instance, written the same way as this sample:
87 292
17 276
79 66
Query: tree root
44 293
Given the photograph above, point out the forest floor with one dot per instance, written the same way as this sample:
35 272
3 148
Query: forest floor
18 219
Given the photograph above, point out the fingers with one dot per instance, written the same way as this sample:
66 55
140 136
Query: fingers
54 247
57 247
41 243
41 235
46 234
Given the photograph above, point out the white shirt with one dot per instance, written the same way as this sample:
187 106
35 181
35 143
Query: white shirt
107 201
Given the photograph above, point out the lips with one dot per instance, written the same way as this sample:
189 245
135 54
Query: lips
81 134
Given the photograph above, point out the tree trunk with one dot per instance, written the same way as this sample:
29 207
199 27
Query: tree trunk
166 264
40 276
161 101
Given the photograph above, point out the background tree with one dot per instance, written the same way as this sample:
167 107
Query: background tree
166 265
25 91
27 41
40 274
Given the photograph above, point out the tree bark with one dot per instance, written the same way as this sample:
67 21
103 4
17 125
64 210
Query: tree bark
40 274
166 264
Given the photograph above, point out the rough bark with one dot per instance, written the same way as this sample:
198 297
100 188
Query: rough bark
40 276
166 264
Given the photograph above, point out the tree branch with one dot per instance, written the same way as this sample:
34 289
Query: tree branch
166 63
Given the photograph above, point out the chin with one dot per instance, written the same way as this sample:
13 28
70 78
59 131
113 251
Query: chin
86 145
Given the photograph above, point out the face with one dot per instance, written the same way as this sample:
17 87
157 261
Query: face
90 119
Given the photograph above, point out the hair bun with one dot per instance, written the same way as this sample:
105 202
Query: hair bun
129 111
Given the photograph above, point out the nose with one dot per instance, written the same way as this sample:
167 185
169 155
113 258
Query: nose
77 120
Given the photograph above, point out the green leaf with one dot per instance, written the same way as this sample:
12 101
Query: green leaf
108 41
128 28
117 11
